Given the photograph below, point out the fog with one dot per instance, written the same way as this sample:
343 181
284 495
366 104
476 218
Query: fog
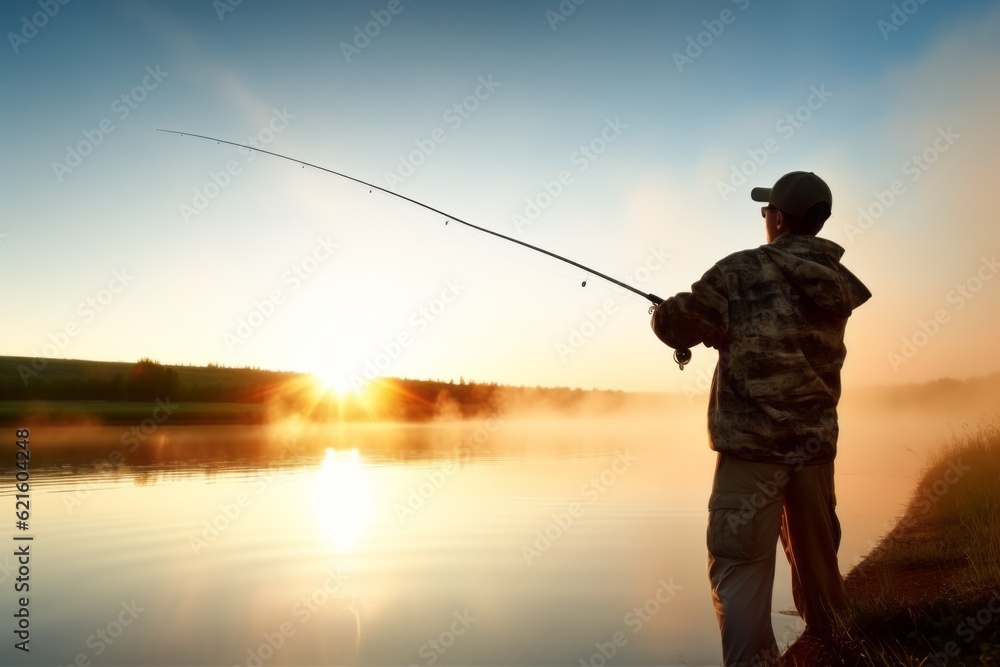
887 437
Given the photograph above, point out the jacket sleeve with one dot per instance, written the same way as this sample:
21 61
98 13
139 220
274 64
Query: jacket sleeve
698 316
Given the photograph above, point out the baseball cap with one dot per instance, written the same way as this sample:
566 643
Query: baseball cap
796 192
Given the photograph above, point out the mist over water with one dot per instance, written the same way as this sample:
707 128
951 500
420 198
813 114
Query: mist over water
516 540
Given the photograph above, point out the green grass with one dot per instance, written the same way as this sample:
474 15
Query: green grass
64 368
16 413
921 596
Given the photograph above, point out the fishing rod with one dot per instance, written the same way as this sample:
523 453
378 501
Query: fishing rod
681 355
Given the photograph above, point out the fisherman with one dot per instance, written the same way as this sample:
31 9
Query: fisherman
777 315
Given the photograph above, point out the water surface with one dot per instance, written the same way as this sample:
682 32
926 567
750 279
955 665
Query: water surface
526 542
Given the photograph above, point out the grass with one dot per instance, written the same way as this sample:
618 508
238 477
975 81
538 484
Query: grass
81 412
929 594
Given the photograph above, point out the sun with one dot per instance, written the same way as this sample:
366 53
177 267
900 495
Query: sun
335 378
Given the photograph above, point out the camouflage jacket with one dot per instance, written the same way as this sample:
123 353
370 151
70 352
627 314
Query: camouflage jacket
777 315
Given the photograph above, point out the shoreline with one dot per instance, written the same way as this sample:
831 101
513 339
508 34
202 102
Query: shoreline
928 594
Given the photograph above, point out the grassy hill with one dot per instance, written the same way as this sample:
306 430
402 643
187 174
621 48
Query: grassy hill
929 593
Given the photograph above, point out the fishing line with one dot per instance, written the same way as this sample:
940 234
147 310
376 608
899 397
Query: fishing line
681 356
514 258
611 288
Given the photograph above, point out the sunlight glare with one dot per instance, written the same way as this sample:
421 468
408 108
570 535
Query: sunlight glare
334 377
342 498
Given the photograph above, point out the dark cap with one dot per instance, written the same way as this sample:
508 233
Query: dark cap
796 192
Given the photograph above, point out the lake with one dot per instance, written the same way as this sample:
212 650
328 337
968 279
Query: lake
561 541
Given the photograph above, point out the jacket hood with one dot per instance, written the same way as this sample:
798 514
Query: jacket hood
812 265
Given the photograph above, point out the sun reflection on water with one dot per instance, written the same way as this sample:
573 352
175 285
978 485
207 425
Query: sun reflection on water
342 498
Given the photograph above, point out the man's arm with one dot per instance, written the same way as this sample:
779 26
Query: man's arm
698 316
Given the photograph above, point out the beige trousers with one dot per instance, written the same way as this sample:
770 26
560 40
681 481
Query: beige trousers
752 504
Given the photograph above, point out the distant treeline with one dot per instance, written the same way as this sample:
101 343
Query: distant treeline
280 394
23 379
145 381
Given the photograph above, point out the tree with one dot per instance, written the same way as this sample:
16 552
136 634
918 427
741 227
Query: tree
150 380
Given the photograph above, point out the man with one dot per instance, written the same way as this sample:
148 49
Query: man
777 315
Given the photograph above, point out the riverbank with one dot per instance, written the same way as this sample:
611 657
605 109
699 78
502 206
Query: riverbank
928 594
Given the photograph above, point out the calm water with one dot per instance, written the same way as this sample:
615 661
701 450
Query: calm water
531 542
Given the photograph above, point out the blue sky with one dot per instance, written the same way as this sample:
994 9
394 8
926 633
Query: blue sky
666 141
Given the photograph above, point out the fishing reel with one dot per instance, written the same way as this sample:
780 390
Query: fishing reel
682 355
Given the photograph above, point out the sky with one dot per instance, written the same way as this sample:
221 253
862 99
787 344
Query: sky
624 135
